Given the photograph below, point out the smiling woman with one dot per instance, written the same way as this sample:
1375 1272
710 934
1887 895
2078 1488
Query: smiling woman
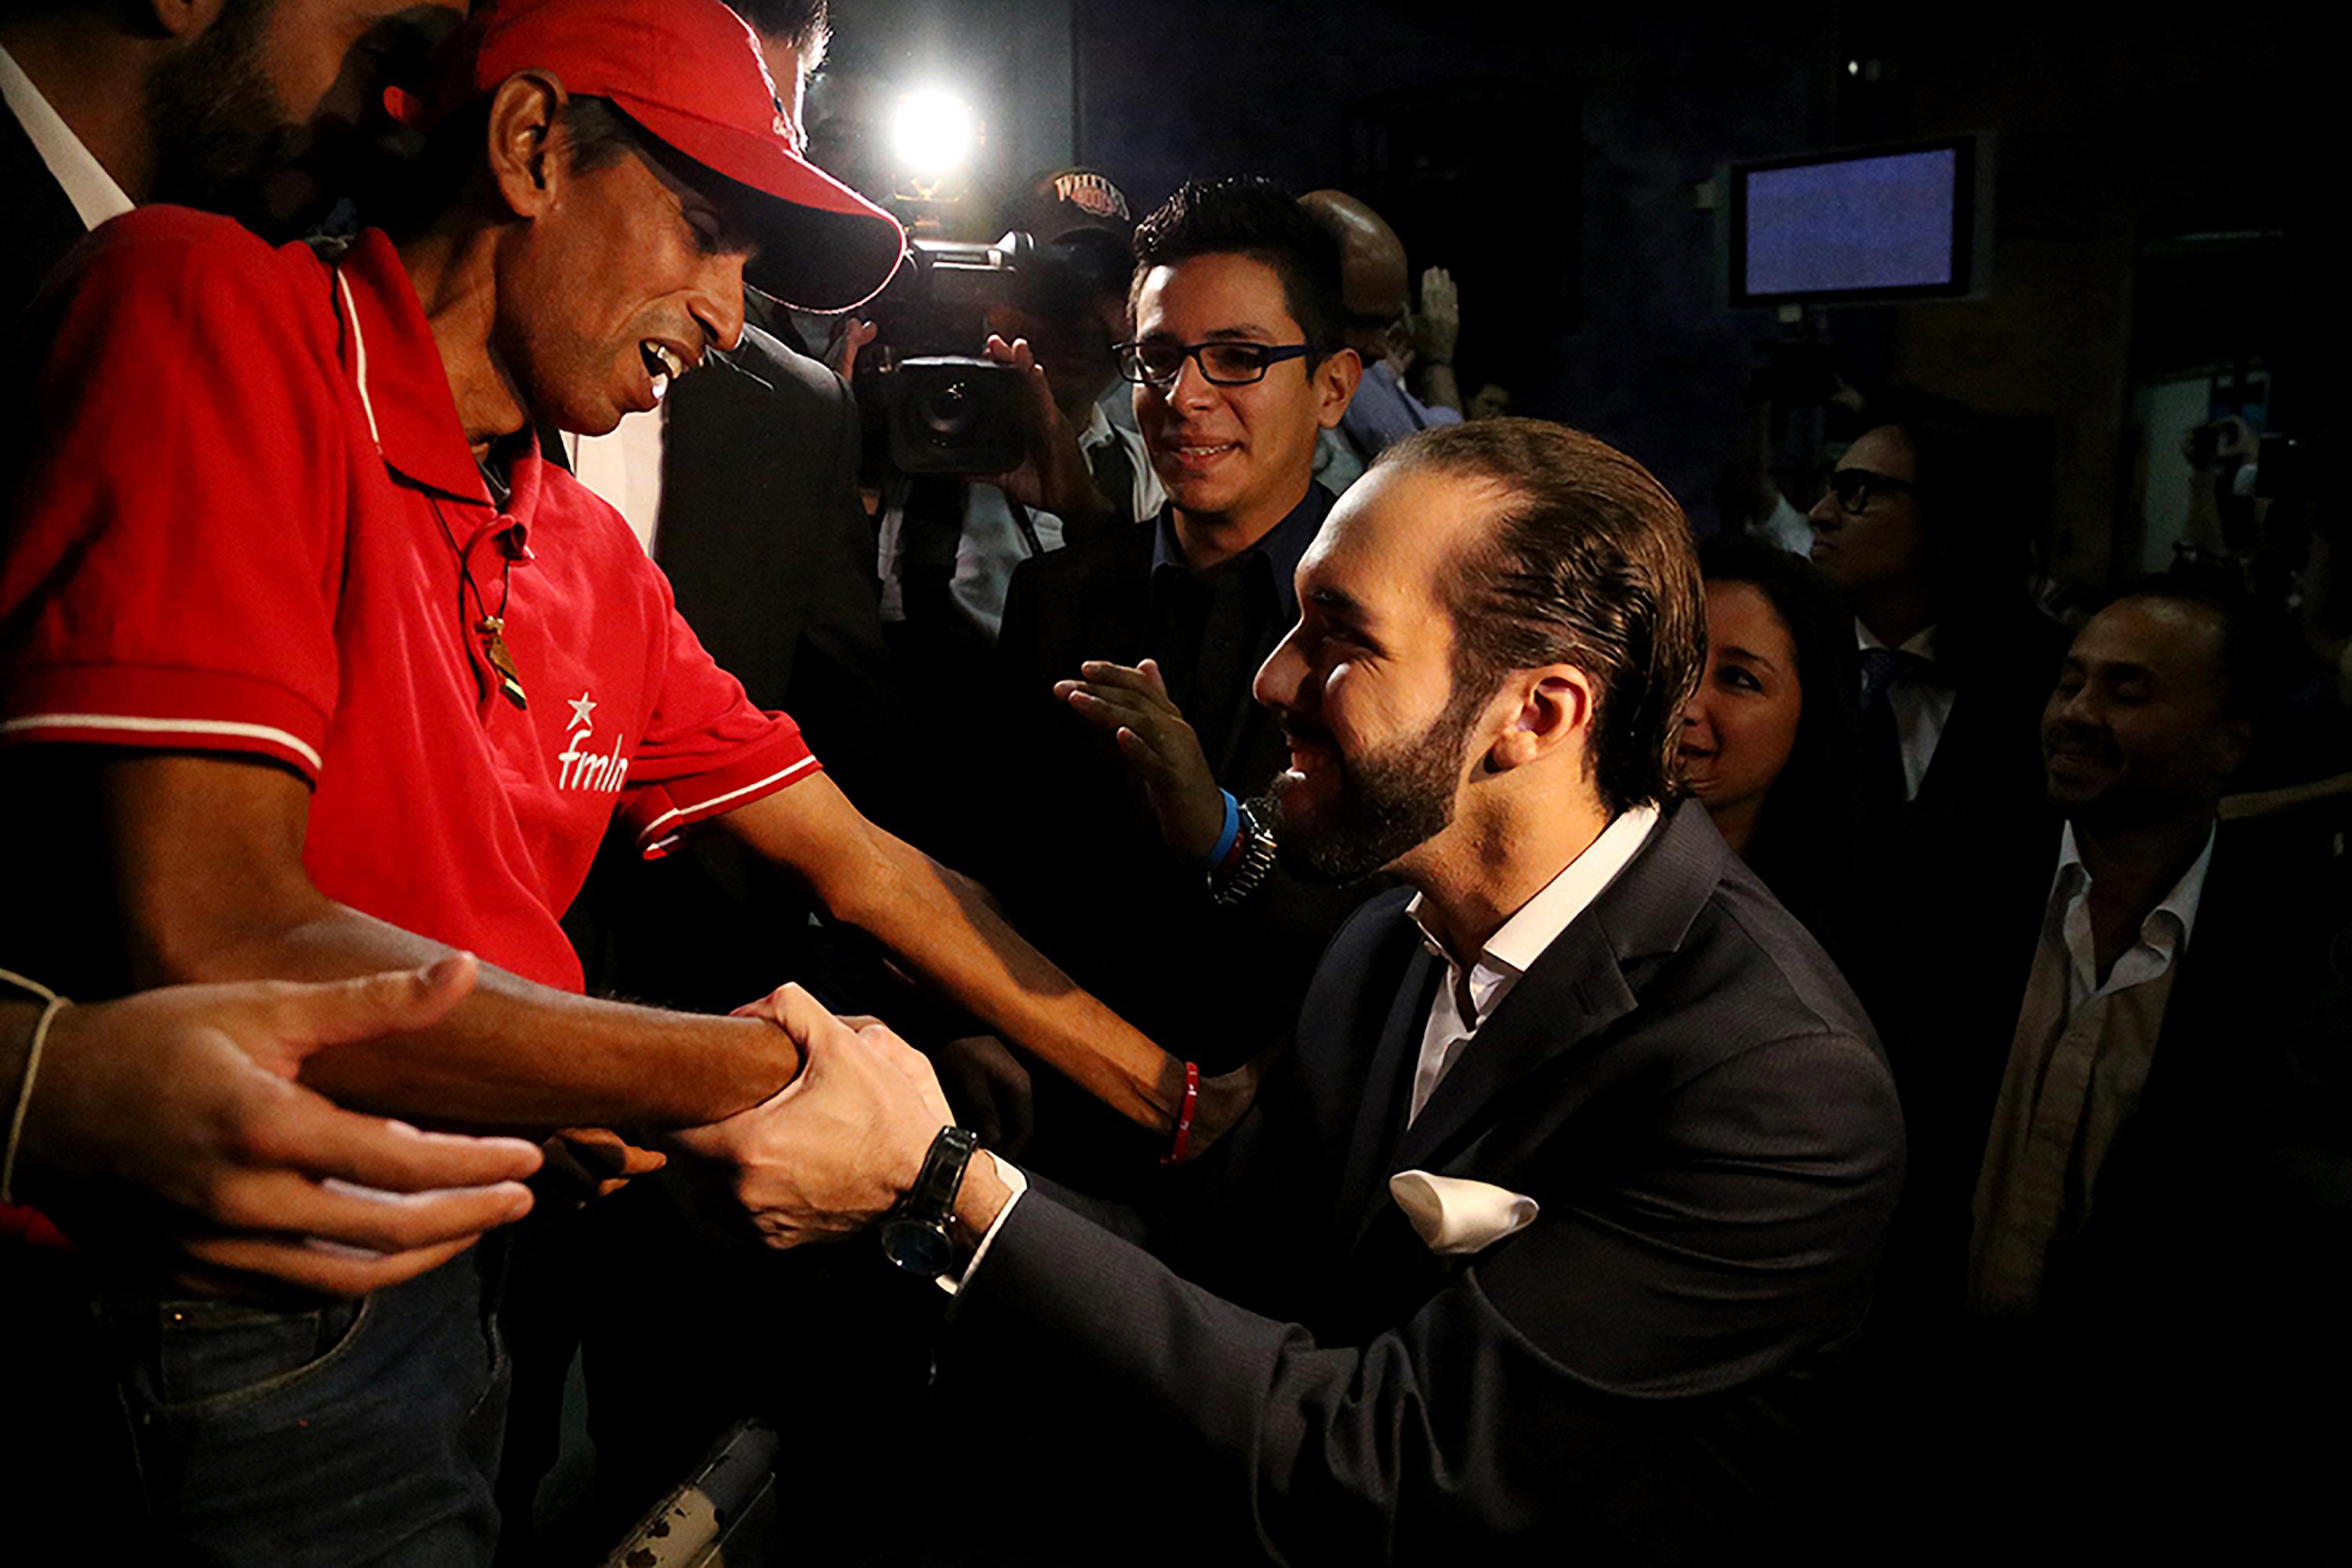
1771 742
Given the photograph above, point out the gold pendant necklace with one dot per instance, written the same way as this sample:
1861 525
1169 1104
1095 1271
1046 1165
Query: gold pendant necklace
490 628
493 628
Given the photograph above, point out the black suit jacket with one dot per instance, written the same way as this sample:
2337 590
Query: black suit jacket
1686 1088
2207 1112
42 223
2189 1336
771 556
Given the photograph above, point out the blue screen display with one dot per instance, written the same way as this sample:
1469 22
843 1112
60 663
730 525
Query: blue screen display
1853 224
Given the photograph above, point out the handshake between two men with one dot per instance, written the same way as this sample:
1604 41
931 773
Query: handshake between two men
840 1146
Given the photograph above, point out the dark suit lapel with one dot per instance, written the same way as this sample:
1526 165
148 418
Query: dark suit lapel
1117 611
1569 999
1574 992
1387 1090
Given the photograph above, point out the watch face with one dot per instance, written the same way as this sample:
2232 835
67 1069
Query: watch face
917 1247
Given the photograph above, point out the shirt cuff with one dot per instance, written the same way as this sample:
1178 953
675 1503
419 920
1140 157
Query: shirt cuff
1010 1174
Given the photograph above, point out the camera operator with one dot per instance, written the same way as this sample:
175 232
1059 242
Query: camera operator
987 469
1085 471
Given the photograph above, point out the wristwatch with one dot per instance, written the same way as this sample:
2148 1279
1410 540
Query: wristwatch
914 1235
1257 860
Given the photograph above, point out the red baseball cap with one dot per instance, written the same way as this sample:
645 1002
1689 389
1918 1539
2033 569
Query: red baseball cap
690 73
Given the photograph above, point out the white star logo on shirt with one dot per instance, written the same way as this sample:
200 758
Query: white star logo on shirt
581 708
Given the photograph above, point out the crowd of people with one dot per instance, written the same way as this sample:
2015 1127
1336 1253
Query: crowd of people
1336 984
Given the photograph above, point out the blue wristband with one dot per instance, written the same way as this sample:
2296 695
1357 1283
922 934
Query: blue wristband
1233 830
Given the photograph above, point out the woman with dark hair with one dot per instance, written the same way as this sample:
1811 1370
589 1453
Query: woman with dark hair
1770 739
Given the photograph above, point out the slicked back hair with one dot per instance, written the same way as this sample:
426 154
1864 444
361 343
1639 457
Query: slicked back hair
1587 561
1254 217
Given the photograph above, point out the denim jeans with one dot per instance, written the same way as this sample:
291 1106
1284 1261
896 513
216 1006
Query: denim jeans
363 1432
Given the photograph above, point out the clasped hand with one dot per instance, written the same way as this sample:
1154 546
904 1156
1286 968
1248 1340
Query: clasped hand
167 1130
833 1151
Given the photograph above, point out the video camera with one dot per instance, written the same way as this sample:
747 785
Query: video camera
931 401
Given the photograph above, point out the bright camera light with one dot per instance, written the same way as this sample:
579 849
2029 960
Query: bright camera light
933 132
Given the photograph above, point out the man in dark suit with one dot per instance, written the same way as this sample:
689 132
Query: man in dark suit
1128 739
259 108
1548 1237
2134 1011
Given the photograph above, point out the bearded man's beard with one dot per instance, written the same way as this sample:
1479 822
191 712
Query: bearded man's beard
1387 803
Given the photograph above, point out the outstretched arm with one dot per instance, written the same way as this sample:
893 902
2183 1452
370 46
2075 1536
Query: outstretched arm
205 863
167 1128
942 927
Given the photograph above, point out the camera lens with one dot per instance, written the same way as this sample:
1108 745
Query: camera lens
948 412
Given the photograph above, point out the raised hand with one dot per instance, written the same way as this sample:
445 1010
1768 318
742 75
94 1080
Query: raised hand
167 1130
1055 478
1437 325
1134 704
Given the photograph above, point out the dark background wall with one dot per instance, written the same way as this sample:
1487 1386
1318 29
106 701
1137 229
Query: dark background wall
2158 179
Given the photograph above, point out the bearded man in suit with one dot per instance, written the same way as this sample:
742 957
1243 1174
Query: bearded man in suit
1552 1230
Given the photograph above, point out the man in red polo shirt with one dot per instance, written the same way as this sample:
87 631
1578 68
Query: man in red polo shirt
314 669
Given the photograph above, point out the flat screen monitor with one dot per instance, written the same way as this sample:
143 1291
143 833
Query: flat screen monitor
1892 223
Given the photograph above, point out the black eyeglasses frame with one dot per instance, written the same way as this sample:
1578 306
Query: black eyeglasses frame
1865 482
1130 364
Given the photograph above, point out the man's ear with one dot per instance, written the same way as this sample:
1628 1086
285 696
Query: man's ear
184 19
524 115
1335 381
2233 738
1555 709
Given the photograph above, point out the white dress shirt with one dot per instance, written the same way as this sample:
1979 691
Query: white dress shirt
93 192
1923 706
1011 1176
2076 1065
1466 1001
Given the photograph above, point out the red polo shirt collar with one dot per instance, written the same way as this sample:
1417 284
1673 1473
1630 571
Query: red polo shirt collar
389 348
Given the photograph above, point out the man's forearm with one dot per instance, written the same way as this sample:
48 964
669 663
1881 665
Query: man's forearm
941 923
1438 387
514 1052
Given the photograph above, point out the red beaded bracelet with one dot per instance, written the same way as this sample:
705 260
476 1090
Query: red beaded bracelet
1184 1113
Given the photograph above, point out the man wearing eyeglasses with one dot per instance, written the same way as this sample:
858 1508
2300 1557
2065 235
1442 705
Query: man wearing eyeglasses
1125 659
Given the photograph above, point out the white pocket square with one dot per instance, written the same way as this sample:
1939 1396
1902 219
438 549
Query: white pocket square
1454 1214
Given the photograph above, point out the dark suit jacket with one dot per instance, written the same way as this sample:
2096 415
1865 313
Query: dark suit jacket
1685 1085
771 556
42 223
2189 1337
2254 962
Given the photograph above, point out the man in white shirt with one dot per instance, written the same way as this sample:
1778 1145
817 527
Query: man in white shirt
2146 726
2137 1328
259 108
1541 1239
